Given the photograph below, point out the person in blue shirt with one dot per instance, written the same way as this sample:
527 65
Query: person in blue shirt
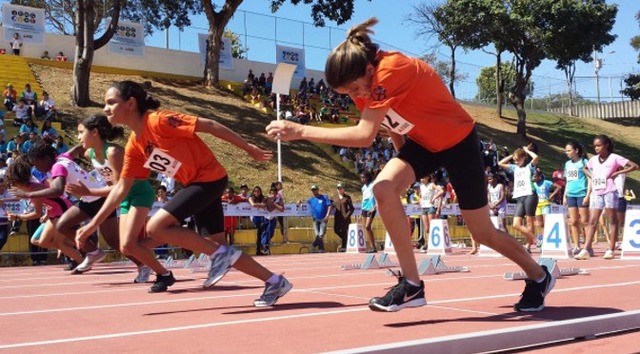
576 192
60 146
321 207
543 188
369 207
28 126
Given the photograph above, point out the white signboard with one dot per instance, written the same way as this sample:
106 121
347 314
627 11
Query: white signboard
128 39
293 56
226 58
28 22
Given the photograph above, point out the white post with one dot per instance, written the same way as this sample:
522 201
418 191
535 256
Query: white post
279 143
281 86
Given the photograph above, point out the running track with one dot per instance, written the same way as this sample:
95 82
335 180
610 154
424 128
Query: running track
46 309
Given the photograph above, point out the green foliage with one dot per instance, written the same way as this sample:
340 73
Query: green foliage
161 14
237 49
632 89
443 68
339 11
486 81
635 41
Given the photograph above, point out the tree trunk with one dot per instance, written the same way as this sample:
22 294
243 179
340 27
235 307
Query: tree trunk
217 23
499 85
452 73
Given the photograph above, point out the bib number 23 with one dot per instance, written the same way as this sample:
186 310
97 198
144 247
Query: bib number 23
162 162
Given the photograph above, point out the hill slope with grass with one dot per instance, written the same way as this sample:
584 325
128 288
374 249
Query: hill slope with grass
305 163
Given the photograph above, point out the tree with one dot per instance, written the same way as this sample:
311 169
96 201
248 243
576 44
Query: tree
635 41
587 30
443 68
237 49
633 87
488 85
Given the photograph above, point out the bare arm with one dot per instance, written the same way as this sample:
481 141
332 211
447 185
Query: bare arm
56 190
504 163
218 130
115 156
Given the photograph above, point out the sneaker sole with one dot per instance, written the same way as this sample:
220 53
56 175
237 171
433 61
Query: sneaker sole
100 259
394 308
282 293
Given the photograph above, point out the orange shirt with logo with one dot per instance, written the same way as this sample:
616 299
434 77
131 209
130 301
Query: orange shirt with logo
418 100
173 134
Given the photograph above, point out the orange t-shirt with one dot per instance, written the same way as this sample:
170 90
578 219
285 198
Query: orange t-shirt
420 105
170 137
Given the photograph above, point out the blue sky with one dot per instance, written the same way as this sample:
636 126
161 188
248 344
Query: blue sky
258 28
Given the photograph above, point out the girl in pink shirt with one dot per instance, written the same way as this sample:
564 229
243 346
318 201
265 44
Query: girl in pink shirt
602 169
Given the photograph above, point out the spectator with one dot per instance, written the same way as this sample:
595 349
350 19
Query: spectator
244 191
269 84
321 207
10 97
45 55
231 222
303 85
22 111
30 143
168 182
48 130
16 43
342 218
29 96
28 126
3 146
46 107
59 145
61 57
257 200
272 203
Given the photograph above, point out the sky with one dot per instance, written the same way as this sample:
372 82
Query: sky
259 30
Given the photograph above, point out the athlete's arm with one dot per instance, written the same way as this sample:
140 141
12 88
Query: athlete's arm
117 194
360 135
533 155
630 166
504 163
220 131
76 151
115 156
55 190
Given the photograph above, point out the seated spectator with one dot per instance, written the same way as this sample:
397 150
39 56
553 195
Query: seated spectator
46 107
48 129
255 95
45 55
34 138
3 146
59 145
22 111
29 96
61 57
10 97
28 126
269 84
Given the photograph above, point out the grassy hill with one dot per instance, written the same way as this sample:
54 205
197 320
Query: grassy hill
305 163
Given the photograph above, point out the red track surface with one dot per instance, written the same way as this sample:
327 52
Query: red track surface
46 309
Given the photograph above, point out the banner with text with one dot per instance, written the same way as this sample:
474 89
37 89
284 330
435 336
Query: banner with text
293 56
128 39
226 58
28 22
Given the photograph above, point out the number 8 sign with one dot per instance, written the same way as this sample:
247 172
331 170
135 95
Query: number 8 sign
631 235
355 239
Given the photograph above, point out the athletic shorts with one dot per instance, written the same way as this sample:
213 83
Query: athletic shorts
141 195
463 163
203 201
526 205
622 205
606 201
92 208
576 202
369 214
543 209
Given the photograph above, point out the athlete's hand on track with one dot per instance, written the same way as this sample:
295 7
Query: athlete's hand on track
83 233
260 155
284 130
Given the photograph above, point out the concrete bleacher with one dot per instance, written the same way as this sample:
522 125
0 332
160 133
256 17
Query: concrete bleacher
15 70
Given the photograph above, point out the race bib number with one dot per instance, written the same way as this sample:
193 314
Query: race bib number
599 183
571 175
394 122
162 162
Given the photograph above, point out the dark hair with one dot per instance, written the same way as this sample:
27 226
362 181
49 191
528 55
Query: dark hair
106 131
19 171
582 154
41 152
368 176
130 89
348 61
605 140
161 188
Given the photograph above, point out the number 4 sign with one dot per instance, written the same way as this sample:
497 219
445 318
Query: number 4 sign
631 235
555 243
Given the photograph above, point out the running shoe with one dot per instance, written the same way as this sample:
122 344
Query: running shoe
162 283
220 264
608 254
144 273
583 255
532 298
400 296
272 292
71 265
89 261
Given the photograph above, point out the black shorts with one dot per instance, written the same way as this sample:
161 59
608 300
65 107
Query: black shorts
93 207
526 205
463 163
368 214
203 201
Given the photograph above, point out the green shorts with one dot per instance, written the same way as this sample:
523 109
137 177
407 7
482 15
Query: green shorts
141 195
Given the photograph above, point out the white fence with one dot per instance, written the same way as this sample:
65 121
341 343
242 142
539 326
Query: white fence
609 110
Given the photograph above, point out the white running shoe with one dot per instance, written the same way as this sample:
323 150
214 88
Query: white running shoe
272 292
89 261
144 273
220 264
583 255
608 254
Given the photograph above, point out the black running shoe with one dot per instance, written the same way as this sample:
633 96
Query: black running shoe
162 283
532 298
400 296
71 265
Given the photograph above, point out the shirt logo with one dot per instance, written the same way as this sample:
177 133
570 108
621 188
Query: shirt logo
175 121
379 93
149 149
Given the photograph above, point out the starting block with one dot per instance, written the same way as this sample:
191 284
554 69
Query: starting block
171 263
435 265
552 267
370 262
201 264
